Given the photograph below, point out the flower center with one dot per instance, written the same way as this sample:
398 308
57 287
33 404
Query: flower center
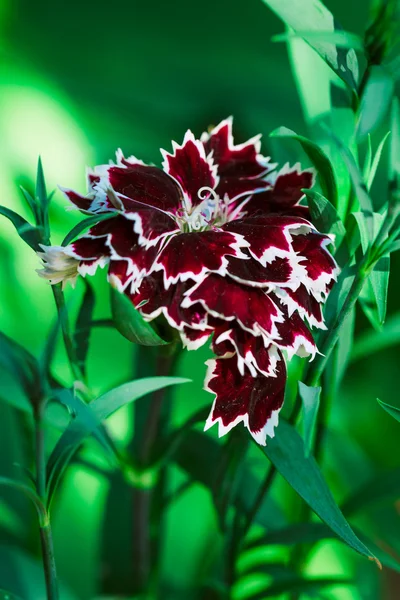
212 211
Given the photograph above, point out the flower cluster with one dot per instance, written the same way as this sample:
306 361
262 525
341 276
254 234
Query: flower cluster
219 243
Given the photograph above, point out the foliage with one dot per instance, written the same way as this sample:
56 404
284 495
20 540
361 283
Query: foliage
241 506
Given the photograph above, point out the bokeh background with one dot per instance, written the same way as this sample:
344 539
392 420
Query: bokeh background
77 81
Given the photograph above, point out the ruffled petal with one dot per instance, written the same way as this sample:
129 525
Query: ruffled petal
192 339
150 224
285 193
238 161
190 256
320 266
147 185
250 272
304 303
228 300
152 299
252 352
269 237
255 401
191 168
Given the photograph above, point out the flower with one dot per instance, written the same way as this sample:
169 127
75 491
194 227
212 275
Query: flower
219 243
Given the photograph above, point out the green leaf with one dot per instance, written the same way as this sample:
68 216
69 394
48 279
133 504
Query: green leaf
287 452
392 410
376 161
89 418
24 367
317 157
8 596
371 342
368 160
83 325
310 398
41 192
341 39
30 493
325 216
375 101
313 16
373 296
27 232
394 154
31 202
86 224
130 322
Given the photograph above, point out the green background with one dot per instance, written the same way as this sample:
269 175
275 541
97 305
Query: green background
77 81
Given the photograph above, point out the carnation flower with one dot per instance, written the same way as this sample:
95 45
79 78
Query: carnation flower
219 243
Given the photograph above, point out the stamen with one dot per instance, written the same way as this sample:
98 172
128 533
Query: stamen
204 190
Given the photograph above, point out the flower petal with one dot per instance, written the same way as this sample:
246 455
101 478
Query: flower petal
152 299
255 401
285 193
304 303
147 185
150 224
228 300
193 255
192 339
269 237
321 268
251 272
241 160
191 168
251 351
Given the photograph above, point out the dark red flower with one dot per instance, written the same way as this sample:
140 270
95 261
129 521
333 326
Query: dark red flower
220 244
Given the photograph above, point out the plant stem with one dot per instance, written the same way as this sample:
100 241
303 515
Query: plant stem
46 538
143 498
68 341
264 488
314 374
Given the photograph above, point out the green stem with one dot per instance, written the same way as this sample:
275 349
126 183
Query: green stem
143 499
66 332
264 488
314 374
46 538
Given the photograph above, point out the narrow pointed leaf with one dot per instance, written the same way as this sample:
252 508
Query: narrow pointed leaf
392 410
27 232
130 322
394 159
86 224
341 39
367 160
312 16
376 161
286 451
88 419
310 398
375 100
317 157
41 192
32 203
325 216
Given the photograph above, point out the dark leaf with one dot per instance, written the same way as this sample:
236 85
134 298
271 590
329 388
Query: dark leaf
86 224
317 157
27 232
89 417
310 399
392 410
286 451
324 216
130 322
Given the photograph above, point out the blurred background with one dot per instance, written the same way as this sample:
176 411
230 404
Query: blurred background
77 81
